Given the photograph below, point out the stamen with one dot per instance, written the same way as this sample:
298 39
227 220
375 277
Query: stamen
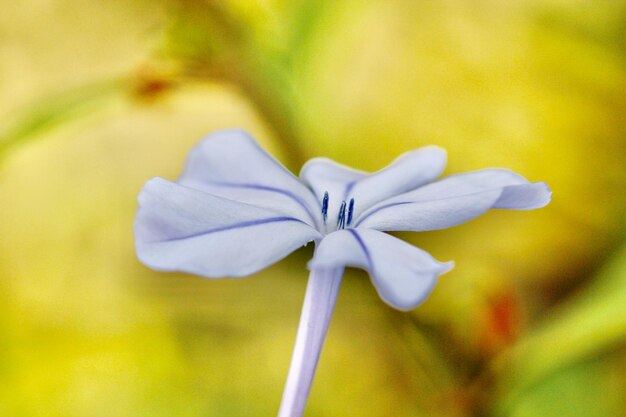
341 220
325 207
350 211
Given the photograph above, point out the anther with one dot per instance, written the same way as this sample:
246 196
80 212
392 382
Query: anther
325 207
350 211
341 220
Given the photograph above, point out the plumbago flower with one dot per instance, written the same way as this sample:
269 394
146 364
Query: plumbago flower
236 210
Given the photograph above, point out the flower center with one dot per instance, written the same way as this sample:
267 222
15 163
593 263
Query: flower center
343 218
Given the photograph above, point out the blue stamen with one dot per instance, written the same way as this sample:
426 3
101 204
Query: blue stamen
325 207
341 220
350 211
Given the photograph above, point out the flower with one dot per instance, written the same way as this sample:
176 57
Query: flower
236 210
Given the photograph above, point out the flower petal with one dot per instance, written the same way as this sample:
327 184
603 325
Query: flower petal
181 229
324 175
455 200
230 164
402 274
407 172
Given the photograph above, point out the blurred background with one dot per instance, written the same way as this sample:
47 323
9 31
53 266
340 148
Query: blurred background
98 96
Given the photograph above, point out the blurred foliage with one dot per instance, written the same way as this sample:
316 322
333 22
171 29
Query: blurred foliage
96 97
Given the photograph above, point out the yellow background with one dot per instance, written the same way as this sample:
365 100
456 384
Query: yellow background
96 97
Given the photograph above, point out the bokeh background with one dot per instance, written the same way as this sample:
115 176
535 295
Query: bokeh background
98 96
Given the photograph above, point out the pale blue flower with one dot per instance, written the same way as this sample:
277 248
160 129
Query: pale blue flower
236 210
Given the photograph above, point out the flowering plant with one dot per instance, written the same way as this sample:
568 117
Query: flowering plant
236 210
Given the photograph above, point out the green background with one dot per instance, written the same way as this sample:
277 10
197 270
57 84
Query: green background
96 97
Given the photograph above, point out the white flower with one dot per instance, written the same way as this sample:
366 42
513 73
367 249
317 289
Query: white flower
236 210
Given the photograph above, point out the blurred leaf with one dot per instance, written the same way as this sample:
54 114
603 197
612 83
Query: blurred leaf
580 330
67 60
56 110
252 48
590 388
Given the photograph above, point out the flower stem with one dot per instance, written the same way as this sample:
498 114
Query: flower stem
319 302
